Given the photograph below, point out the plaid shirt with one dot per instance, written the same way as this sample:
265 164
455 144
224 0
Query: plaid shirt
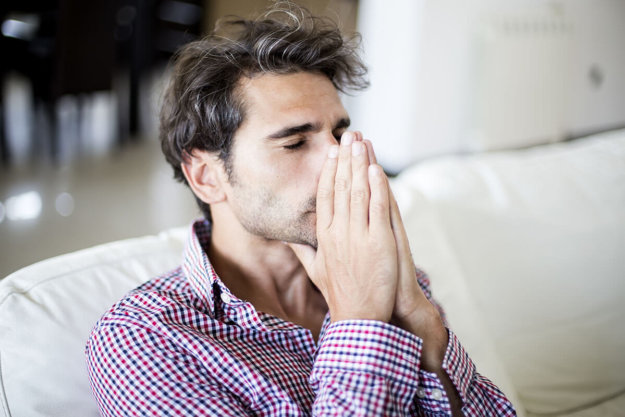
184 345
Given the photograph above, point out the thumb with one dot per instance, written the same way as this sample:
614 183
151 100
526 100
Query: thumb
306 255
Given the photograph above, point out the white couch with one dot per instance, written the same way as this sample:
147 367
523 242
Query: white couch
525 249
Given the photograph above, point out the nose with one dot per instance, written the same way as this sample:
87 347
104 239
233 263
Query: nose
329 139
320 153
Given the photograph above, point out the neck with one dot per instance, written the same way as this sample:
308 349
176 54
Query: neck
265 273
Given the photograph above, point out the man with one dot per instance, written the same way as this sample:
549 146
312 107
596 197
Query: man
297 294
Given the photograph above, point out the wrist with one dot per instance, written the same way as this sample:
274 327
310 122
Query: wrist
359 315
428 326
420 321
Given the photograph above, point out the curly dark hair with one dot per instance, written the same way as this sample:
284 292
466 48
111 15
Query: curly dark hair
202 108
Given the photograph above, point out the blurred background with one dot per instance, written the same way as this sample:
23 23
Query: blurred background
81 84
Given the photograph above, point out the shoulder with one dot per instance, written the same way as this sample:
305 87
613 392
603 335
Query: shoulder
164 316
153 305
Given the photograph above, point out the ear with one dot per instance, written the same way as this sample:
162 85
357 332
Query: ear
205 174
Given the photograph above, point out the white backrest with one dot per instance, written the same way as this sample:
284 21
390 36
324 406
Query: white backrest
537 237
47 311
450 288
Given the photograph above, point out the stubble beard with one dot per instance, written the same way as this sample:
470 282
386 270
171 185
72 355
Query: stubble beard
262 214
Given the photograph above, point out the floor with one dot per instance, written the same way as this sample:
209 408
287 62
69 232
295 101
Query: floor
126 194
48 209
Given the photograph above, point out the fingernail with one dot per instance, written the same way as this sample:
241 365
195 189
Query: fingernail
333 152
347 139
373 170
356 148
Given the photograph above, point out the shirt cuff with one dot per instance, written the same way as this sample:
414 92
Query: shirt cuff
458 366
431 394
371 347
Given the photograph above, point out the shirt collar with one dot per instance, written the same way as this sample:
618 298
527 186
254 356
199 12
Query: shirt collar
196 266
215 295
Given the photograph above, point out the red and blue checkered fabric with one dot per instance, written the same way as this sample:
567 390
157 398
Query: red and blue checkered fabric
184 345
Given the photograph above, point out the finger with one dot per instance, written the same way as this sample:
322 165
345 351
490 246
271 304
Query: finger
306 256
325 190
359 203
358 137
370 152
343 179
401 237
408 283
379 210
366 148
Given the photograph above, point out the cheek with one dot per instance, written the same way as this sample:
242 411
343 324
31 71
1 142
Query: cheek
306 177
253 167
296 174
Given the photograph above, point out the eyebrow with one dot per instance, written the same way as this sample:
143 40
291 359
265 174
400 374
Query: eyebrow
304 128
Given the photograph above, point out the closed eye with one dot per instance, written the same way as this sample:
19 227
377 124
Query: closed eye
295 145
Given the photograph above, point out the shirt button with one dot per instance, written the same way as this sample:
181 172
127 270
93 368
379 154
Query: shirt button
225 298
437 394
421 392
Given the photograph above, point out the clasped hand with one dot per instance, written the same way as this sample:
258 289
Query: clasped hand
362 265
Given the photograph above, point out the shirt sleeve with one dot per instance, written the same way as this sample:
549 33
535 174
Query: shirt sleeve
373 368
133 372
365 368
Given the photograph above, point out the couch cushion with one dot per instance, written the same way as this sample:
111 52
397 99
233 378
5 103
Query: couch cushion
432 253
611 407
537 237
47 311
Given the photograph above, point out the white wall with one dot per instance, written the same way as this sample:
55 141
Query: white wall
451 76
600 42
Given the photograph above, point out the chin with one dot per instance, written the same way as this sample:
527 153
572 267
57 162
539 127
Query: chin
303 239
306 235
301 230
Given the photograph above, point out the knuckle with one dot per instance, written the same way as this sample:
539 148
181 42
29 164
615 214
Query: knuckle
378 207
360 195
324 193
342 185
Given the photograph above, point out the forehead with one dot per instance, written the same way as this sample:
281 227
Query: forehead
285 98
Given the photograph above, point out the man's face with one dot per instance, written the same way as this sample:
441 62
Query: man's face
290 122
